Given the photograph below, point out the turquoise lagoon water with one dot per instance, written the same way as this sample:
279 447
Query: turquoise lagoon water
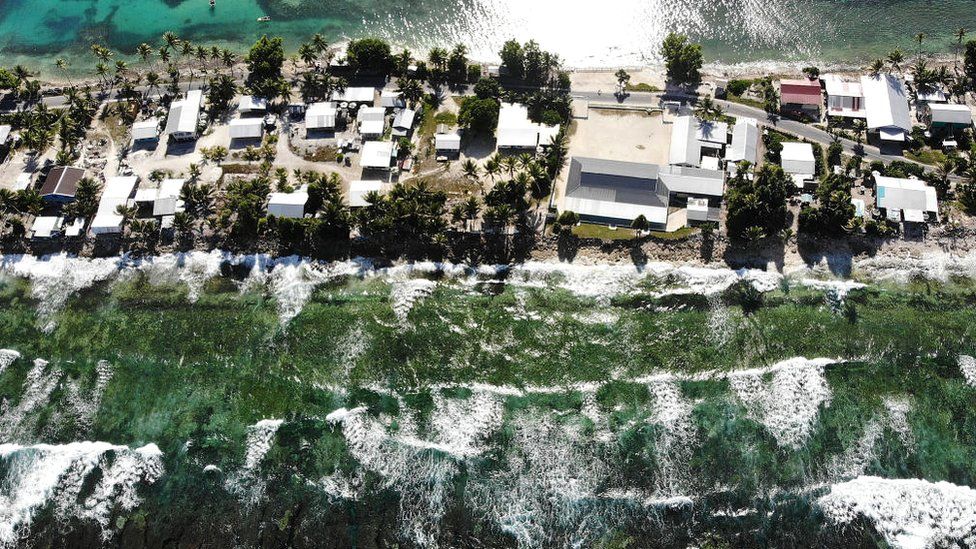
586 34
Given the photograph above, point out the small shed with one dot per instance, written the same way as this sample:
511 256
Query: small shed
74 228
403 122
376 154
359 189
320 116
4 133
250 103
797 159
290 205
392 100
372 121
949 115
246 128
146 130
61 184
23 182
167 201
46 226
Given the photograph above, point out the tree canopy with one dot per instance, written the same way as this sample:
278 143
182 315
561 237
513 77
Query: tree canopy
757 207
682 59
479 115
264 63
370 55
834 210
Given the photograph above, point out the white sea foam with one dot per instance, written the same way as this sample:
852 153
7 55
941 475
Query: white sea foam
247 483
43 474
7 357
855 459
404 294
788 404
909 513
967 365
15 420
677 441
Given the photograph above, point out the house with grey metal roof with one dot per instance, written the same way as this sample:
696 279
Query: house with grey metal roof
692 138
616 192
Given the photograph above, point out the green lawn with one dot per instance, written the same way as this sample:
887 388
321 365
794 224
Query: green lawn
642 87
926 156
589 230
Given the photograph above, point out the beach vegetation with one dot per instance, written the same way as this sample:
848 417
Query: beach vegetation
833 212
757 206
479 115
683 59
264 64
370 56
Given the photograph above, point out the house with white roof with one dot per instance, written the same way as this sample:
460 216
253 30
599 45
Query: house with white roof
167 200
910 200
46 226
4 134
372 121
291 205
145 130
691 139
390 99
359 189
798 161
950 116
246 128
250 104
377 155
447 142
886 104
403 122
355 95
116 193
745 142
516 131
616 192
844 98
321 116
184 116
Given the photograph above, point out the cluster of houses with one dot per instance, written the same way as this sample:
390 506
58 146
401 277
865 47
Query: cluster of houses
689 189
881 100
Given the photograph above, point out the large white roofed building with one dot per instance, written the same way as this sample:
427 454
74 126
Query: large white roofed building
745 141
356 95
372 121
184 115
886 105
913 198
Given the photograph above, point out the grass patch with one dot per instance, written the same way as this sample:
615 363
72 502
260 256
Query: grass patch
321 154
926 156
744 101
680 234
642 87
234 168
590 230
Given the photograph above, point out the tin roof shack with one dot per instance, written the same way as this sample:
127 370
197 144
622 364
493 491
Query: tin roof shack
948 116
372 122
403 122
692 139
517 131
117 192
246 128
61 184
252 104
359 189
321 116
745 142
184 115
291 205
446 142
801 96
145 131
909 200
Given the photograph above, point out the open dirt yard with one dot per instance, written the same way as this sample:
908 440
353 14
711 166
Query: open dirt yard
631 136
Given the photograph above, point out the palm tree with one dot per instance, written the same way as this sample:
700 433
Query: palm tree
525 161
319 43
228 58
128 213
410 89
510 164
170 39
877 67
62 65
470 169
960 35
639 224
144 51
471 209
152 80
919 38
895 59
492 167
307 54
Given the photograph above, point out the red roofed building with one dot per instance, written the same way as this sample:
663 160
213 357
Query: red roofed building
803 95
